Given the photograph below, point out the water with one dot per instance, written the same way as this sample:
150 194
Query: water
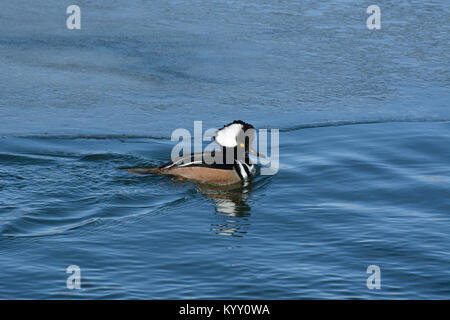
364 177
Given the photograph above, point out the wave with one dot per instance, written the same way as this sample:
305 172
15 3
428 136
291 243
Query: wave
109 156
341 123
19 228
46 136
53 231
8 158
337 123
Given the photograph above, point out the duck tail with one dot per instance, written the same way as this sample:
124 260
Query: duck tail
145 171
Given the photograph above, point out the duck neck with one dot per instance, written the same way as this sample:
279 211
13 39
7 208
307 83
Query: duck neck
230 155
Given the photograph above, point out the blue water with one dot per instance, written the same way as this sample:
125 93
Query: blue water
364 175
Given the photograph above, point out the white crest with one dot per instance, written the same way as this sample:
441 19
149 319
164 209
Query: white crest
227 137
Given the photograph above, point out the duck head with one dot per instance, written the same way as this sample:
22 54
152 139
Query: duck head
238 135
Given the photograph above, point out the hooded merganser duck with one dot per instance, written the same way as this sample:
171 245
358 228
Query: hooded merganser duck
229 165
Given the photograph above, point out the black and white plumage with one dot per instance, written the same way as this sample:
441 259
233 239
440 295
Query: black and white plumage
229 165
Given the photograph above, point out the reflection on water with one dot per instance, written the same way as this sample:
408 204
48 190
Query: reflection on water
232 209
